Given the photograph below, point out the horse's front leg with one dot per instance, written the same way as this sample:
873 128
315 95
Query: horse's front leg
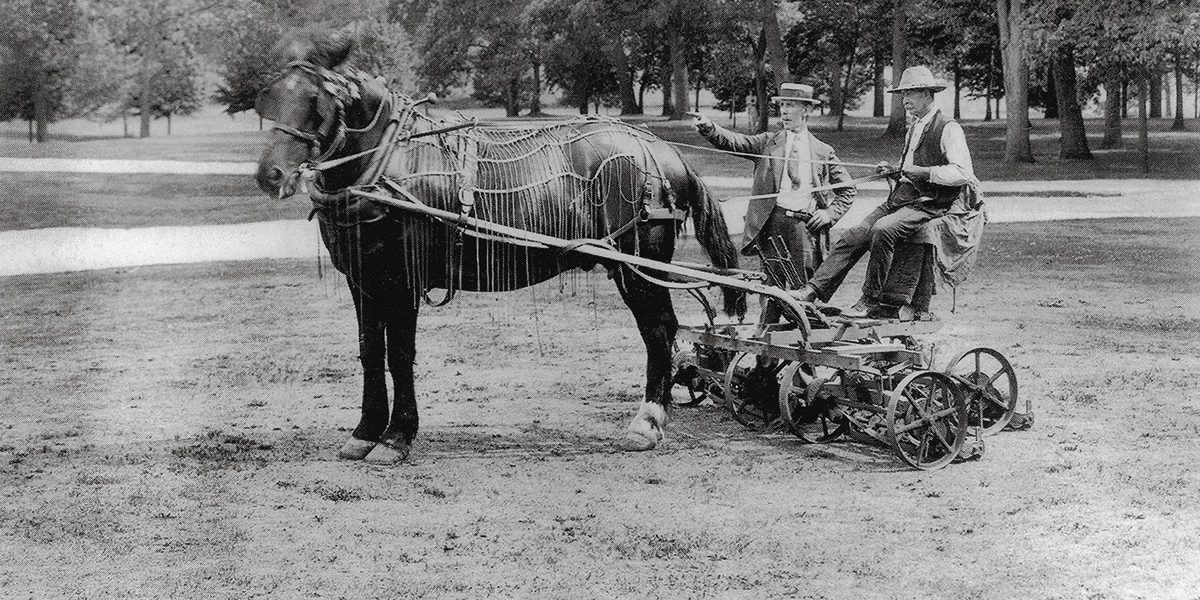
655 316
396 441
371 351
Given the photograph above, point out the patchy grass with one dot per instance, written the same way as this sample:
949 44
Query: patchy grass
134 200
1173 325
111 464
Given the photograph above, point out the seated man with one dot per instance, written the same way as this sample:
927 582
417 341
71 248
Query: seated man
935 167
794 199
944 248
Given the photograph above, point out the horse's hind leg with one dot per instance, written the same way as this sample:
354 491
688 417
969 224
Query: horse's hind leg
396 441
655 316
371 352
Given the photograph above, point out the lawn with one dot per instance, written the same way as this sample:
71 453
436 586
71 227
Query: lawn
36 200
170 433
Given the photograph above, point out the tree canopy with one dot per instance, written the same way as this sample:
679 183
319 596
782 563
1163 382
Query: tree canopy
153 57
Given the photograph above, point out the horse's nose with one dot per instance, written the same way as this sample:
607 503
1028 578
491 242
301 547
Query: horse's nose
269 179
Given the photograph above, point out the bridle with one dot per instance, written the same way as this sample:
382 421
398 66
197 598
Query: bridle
340 88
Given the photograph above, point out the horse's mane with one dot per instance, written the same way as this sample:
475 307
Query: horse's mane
319 47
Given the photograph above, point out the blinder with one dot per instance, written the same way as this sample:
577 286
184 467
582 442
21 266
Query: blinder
330 132
266 105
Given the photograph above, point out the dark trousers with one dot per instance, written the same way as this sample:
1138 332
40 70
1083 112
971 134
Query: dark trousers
786 250
878 233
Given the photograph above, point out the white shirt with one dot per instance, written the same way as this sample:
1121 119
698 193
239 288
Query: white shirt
953 143
797 195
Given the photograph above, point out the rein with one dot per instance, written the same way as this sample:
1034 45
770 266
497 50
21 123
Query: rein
329 164
823 188
768 156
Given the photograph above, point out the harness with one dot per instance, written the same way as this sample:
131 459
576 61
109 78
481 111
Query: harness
466 147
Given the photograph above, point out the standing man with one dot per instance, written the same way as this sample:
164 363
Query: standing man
934 167
794 175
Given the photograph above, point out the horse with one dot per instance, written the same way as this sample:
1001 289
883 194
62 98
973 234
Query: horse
597 181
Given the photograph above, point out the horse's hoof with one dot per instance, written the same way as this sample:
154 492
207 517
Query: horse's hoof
636 441
386 454
355 449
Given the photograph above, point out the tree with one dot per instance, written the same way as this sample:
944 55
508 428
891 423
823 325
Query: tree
618 20
1050 31
40 41
246 63
1178 124
1130 40
1011 16
737 65
575 62
965 35
826 47
733 74
1072 135
774 40
480 42
175 88
896 121
1113 103
150 31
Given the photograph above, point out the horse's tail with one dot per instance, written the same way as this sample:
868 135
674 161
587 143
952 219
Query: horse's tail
713 234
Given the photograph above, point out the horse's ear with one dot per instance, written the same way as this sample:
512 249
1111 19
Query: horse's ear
341 45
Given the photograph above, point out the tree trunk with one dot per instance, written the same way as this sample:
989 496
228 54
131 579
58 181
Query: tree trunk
1156 94
1124 99
32 139
897 124
667 107
1143 126
1112 108
878 109
615 50
1050 94
1179 124
41 111
847 76
679 81
775 52
1072 135
168 124
837 89
512 97
763 100
1016 81
957 90
987 100
144 108
535 100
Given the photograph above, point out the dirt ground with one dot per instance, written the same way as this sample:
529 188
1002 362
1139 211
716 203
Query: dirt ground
169 432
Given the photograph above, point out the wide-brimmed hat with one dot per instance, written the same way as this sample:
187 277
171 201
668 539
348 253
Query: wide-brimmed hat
795 92
917 78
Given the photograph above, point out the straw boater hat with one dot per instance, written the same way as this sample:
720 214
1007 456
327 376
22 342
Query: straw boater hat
795 92
917 78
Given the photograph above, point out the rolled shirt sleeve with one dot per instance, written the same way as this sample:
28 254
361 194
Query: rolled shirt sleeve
959 171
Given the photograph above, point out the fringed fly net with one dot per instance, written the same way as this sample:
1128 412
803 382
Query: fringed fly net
582 179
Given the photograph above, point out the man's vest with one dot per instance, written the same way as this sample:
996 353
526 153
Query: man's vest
929 153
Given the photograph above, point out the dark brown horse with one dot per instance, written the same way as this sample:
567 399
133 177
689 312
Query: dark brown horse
587 180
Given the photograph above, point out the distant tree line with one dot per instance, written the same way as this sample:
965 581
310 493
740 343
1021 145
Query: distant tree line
149 58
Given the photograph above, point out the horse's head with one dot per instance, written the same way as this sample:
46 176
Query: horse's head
306 101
